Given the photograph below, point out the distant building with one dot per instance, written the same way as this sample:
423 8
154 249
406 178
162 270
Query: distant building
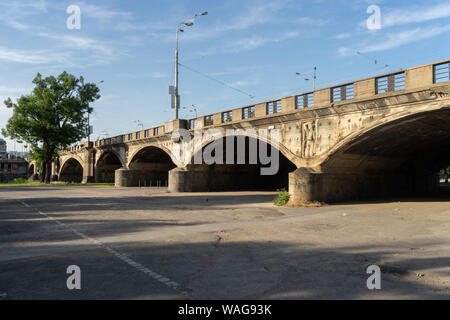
3 154
11 165
11 169
17 155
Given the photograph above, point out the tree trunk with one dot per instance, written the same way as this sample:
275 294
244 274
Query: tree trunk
48 172
48 165
43 173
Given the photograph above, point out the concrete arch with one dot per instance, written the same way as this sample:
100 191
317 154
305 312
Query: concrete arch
106 165
132 156
148 166
292 157
247 175
73 156
390 121
119 156
400 155
71 171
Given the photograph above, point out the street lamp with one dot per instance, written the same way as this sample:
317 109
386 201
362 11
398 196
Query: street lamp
189 22
139 124
308 76
89 131
192 109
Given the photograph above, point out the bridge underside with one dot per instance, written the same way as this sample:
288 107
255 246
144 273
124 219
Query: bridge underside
399 158
233 177
149 168
72 171
106 168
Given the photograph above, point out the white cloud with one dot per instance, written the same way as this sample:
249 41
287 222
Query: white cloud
394 40
159 75
32 58
258 14
310 21
103 13
13 90
343 36
246 44
342 51
415 15
79 42
145 75
244 83
13 11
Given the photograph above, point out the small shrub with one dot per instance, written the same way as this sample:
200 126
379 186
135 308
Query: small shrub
282 198
20 181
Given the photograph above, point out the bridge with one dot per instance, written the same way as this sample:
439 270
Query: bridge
383 134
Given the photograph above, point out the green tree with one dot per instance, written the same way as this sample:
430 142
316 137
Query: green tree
445 173
52 117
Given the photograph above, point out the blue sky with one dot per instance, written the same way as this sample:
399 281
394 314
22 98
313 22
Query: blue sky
256 46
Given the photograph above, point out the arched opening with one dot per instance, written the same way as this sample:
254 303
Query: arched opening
106 167
72 171
402 157
243 168
30 170
444 176
152 166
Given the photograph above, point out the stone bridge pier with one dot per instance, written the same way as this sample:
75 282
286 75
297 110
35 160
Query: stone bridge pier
381 136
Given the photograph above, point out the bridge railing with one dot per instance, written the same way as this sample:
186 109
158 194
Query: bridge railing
379 86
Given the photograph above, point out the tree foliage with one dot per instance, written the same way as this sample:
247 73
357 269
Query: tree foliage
445 173
52 117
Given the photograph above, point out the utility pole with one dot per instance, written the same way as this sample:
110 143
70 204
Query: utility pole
175 95
315 77
174 92
307 76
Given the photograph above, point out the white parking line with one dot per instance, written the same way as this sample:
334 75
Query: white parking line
127 260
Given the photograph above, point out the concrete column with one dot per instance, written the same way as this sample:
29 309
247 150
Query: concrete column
54 176
126 178
190 179
35 175
306 185
303 185
180 180
89 165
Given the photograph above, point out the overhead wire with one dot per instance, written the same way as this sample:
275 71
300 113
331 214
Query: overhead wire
218 81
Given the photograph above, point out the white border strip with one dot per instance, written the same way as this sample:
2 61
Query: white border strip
130 262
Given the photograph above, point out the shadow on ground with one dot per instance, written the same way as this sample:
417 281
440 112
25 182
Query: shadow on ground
244 270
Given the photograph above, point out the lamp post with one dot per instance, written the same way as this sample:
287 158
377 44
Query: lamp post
139 124
192 109
308 76
189 22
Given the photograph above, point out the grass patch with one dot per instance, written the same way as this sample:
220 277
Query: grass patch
21 184
20 181
282 198
26 183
